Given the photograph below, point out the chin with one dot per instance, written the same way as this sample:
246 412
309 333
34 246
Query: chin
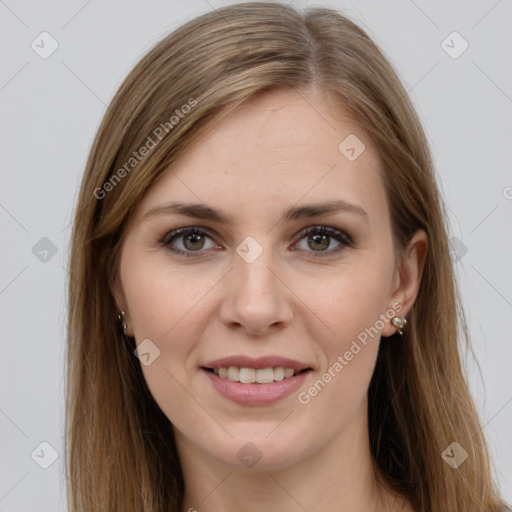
253 452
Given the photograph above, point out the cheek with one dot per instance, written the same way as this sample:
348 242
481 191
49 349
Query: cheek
350 301
161 298
169 305
353 307
166 307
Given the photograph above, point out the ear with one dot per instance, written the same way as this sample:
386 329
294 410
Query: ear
119 297
407 278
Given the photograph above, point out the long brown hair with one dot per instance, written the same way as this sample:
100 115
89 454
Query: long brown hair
120 450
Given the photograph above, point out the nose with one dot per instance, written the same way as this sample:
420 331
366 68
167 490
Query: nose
257 300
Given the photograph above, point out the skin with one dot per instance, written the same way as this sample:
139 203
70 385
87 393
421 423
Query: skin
278 151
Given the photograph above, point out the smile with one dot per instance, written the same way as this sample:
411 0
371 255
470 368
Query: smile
259 381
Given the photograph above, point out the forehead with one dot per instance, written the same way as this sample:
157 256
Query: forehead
284 147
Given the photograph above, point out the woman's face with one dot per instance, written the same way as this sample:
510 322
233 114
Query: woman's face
251 290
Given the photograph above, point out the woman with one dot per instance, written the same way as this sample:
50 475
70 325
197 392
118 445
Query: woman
262 310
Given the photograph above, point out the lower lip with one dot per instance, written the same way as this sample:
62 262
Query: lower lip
256 394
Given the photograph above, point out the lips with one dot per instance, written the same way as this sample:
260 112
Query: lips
256 381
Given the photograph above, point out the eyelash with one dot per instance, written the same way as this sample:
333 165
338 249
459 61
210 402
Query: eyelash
342 237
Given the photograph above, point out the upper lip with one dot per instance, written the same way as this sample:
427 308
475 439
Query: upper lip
256 362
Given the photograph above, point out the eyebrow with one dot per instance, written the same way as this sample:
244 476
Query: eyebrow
202 211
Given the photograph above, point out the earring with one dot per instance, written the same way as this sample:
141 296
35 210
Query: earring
400 323
120 317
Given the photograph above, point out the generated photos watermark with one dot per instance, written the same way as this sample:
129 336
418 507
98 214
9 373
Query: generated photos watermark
151 142
305 397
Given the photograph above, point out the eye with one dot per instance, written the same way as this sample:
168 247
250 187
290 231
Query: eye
192 240
319 238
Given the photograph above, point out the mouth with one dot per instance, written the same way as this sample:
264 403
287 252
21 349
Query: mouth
256 382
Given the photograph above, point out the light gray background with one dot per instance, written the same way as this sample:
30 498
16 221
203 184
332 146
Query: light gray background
51 109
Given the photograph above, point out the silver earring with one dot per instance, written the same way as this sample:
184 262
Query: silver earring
400 323
120 317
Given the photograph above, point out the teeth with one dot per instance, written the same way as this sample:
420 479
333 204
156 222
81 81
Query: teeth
247 375
288 372
233 373
251 375
264 375
279 373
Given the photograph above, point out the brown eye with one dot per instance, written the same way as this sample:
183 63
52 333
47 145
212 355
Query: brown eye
186 240
319 239
319 242
193 241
